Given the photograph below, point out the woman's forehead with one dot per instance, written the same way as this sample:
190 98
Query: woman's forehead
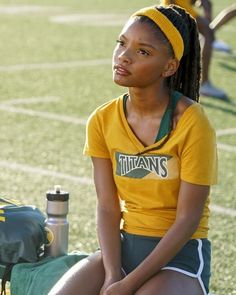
134 26
142 31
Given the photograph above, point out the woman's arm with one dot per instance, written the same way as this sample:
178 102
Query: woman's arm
191 202
207 8
108 219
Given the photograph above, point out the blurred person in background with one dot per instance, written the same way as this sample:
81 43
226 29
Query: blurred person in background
221 19
207 29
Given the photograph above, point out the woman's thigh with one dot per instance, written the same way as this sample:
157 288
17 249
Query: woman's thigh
85 278
168 282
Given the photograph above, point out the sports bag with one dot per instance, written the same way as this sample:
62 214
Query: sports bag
22 235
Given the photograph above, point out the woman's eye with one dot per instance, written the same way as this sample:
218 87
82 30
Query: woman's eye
143 52
119 42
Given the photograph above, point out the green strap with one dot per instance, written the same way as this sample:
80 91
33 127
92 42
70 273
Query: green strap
165 126
125 97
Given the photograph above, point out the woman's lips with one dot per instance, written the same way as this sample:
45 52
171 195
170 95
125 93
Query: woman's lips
121 71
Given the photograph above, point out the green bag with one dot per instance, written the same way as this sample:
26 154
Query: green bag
21 235
39 278
21 232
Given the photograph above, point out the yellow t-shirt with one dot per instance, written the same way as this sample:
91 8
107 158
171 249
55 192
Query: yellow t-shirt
148 184
186 4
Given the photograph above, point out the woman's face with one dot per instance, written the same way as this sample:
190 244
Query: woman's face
139 58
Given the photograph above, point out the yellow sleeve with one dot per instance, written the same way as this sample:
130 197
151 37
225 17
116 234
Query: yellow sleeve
95 144
199 153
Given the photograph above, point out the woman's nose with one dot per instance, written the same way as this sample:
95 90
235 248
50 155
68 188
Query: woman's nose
125 56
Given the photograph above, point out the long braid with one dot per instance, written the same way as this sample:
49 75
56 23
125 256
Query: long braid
187 78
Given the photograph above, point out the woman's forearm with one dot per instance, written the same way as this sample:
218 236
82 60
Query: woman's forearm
108 227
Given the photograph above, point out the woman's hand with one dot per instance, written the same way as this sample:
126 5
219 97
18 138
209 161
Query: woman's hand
107 284
113 285
118 288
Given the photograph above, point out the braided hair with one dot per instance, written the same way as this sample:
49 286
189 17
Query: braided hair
187 78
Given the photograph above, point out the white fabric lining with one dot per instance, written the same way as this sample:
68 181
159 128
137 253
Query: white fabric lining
201 266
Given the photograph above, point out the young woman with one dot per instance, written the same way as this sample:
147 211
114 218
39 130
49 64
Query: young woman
154 158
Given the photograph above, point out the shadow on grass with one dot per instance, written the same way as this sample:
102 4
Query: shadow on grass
220 107
225 56
227 66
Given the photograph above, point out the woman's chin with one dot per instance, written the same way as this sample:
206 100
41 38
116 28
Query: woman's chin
120 82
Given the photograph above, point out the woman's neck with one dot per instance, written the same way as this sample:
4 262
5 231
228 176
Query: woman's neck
147 102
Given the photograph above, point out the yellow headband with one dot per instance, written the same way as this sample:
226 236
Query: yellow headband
170 31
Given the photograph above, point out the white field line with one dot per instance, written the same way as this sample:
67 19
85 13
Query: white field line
223 146
31 100
44 172
226 147
27 9
45 115
77 121
55 66
223 210
83 180
66 119
91 19
222 132
13 68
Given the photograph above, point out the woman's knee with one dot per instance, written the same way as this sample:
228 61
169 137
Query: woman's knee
87 276
87 266
171 283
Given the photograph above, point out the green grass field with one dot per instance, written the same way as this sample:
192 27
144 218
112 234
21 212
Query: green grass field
53 74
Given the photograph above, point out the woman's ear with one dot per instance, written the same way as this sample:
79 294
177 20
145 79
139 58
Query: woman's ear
171 67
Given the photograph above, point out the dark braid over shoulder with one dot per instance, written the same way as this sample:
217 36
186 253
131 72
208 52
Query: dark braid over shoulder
187 78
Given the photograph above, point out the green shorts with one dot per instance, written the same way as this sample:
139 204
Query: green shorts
193 259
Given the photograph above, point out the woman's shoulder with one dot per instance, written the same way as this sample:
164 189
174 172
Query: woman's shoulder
188 111
105 112
182 105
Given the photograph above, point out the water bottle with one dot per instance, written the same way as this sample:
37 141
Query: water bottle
56 224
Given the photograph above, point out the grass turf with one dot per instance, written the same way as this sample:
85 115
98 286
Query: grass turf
52 145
